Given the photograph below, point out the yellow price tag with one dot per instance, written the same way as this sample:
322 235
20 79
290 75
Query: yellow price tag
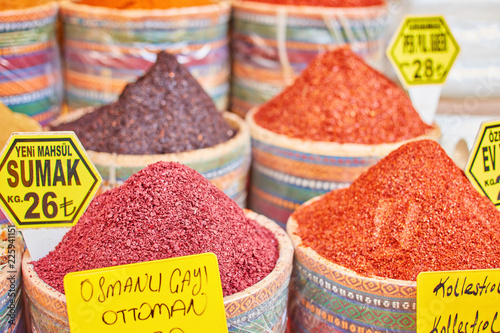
178 295
458 302
47 179
483 166
423 50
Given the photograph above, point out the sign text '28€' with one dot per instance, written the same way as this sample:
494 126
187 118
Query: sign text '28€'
423 50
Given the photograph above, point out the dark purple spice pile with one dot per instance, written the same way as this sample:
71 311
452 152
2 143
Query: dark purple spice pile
165 210
164 111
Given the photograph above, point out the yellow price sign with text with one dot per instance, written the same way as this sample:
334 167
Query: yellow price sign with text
423 50
47 179
178 295
483 166
458 301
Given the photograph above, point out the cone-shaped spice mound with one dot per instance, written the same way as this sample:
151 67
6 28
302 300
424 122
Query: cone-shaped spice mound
339 98
414 211
164 111
165 210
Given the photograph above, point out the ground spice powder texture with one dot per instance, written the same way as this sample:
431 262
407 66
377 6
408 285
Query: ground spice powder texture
325 3
339 98
146 4
21 4
414 211
165 210
164 111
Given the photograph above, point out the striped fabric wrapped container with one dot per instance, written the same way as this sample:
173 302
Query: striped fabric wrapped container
260 308
106 48
226 165
272 44
326 297
287 172
30 73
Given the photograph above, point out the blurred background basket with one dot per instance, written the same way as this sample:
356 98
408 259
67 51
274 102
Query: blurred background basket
30 72
106 48
272 44
260 308
326 297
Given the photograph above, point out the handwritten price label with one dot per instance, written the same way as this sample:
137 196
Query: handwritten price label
47 180
179 295
458 301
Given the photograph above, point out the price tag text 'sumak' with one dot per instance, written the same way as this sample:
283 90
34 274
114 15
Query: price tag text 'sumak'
48 178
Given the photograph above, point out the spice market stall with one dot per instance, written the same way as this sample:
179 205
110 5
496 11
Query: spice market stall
127 225
166 115
338 118
358 250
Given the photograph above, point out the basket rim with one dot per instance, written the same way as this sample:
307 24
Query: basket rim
283 266
328 148
241 138
292 227
145 13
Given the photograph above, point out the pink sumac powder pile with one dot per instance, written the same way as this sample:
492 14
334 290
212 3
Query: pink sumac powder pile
166 210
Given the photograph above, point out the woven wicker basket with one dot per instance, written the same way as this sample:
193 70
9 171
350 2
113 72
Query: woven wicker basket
106 48
259 308
272 44
286 172
326 297
226 165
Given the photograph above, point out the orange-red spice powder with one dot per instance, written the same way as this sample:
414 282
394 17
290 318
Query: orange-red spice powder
414 211
326 3
146 4
339 98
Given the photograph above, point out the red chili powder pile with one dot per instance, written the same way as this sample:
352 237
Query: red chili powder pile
325 3
146 4
414 211
165 210
339 98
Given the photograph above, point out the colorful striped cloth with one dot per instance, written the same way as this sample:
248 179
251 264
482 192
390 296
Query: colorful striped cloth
106 48
30 73
272 44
